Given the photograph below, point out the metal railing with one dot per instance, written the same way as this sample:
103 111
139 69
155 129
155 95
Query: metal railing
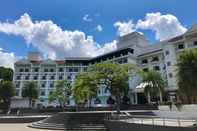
153 120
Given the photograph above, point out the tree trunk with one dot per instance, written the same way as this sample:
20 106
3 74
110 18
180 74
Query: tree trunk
89 103
189 100
149 98
160 97
118 103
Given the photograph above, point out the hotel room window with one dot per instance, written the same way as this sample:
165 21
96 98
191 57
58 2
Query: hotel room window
181 46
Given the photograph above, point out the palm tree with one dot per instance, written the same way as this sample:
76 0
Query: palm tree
187 73
61 93
154 84
30 91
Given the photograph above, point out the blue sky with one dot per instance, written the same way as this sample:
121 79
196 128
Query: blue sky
69 15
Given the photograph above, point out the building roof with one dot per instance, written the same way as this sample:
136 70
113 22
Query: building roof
151 49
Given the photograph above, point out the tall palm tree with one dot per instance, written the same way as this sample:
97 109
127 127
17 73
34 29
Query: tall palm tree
30 90
154 84
187 73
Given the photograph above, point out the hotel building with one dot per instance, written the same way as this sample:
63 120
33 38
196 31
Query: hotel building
133 48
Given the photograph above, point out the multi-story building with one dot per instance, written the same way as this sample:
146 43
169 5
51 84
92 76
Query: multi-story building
132 48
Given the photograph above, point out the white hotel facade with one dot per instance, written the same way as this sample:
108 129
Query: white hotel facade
132 48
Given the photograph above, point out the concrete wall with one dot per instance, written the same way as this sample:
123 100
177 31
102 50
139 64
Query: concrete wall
123 126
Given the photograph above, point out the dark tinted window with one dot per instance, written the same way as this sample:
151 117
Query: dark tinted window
181 46
157 68
145 61
195 43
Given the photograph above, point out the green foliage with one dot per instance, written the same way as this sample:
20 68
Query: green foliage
61 92
187 73
6 74
7 90
84 87
30 91
154 82
115 77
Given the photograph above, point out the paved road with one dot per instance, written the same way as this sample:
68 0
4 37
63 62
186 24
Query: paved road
177 114
18 127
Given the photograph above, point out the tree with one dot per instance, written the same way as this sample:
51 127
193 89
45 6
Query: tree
115 77
61 93
6 74
187 73
154 84
7 91
30 91
84 88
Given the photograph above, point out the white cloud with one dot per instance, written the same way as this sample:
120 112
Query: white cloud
165 26
124 27
52 41
7 59
99 28
87 18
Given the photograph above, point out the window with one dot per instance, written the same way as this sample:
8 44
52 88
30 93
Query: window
21 70
44 77
181 46
35 77
60 69
69 77
125 53
85 69
70 69
168 63
43 85
45 70
42 93
76 69
167 52
52 77
26 70
145 61
157 68
131 51
41 100
60 77
155 59
18 77
170 75
36 69
195 43
51 85
51 70
26 77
